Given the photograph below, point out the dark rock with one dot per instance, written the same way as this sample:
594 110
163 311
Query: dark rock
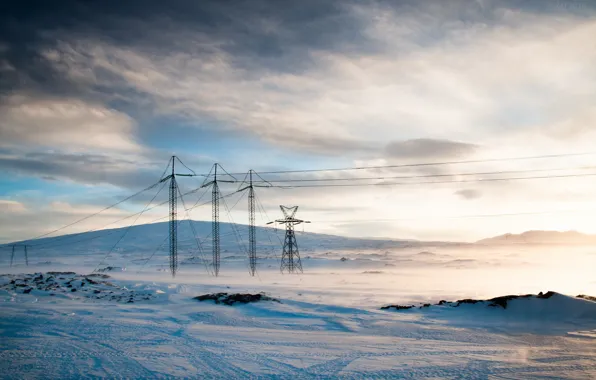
231 299
73 290
96 291
343 259
61 273
585 297
27 291
396 307
467 301
546 295
99 275
502 301
493 302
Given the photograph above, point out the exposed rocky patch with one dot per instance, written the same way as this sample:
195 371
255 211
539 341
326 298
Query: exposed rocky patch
111 269
91 286
397 307
493 302
231 299
585 297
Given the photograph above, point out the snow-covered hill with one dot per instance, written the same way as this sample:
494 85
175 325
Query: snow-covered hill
541 237
149 236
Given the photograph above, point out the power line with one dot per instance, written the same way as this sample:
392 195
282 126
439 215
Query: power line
435 182
267 229
128 217
102 210
128 228
233 225
194 232
426 175
183 164
51 245
421 164
455 216
92 215
366 178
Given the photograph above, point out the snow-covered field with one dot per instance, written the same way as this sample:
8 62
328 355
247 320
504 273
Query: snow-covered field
328 323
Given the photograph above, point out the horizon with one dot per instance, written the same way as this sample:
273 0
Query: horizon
474 118
241 225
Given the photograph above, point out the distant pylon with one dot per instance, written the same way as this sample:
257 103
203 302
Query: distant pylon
14 246
215 196
290 258
173 221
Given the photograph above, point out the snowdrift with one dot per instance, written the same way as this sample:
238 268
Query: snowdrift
545 313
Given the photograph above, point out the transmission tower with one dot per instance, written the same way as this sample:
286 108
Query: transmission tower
173 227
215 196
24 246
290 258
252 231
173 221
252 234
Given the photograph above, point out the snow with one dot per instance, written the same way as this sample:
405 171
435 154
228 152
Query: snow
329 321
171 334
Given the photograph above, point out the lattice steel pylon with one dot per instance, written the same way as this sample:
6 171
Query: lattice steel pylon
173 221
14 246
215 225
290 258
252 234
252 230
215 196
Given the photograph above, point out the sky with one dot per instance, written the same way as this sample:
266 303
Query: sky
95 99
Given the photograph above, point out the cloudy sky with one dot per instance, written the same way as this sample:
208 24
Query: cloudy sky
94 99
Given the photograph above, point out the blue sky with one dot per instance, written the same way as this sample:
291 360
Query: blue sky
94 100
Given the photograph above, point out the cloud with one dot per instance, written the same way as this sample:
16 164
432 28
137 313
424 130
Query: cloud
469 194
8 206
481 80
81 168
332 83
65 123
429 149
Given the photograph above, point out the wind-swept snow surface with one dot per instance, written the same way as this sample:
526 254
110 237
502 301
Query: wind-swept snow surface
133 320
166 332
